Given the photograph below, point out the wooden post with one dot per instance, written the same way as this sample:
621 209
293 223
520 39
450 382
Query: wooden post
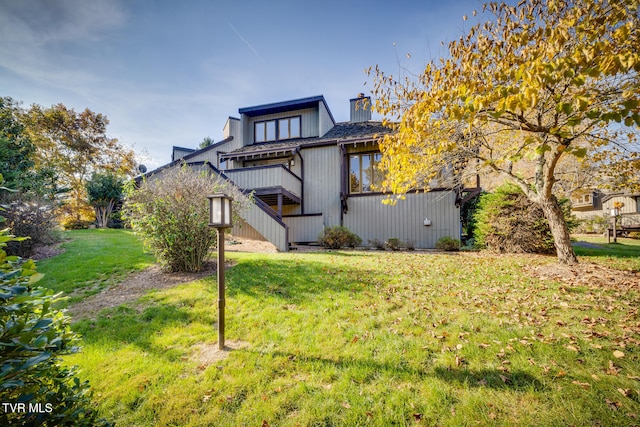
221 299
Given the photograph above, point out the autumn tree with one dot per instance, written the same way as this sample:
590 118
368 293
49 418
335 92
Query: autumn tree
76 145
538 82
105 191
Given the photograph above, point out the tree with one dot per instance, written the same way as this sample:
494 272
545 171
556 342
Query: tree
76 145
538 83
104 191
207 142
16 149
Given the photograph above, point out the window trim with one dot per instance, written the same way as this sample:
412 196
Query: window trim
360 190
276 123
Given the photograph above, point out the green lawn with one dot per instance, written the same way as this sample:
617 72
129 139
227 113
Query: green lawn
365 338
92 261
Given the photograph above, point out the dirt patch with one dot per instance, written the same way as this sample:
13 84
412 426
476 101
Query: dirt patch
239 244
137 284
591 275
134 287
44 252
208 354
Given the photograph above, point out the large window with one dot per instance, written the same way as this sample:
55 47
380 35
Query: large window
274 130
364 174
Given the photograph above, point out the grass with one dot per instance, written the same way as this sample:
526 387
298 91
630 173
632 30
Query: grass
92 261
624 255
368 338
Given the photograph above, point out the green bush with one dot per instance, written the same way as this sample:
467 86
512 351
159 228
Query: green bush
507 221
597 224
338 237
377 244
634 235
171 212
33 336
77 224
448 244
394 244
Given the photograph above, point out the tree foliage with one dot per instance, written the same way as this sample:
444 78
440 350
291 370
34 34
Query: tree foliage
534 85
16 149
172 214
76 145
104 191
206 142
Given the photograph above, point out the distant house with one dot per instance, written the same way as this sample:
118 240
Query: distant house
589 203
308 172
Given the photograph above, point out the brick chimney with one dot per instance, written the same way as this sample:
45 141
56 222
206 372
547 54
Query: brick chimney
360 109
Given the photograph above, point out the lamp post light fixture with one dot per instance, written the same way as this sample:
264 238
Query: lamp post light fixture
220 218
615 212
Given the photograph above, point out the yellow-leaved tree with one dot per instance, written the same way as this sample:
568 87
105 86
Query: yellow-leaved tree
539 82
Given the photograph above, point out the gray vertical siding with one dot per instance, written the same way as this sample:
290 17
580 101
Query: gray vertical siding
244 229
326 122
630 205
308 123
370 219
266 226
322 183
304 229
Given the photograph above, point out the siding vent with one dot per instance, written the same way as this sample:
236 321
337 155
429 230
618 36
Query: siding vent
360 109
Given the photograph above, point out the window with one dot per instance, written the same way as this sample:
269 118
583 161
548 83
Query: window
287 128
364 175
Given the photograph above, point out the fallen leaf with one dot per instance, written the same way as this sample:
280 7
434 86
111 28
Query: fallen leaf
346 405
572 348
561 374
618 354
626 392
585 386
613 405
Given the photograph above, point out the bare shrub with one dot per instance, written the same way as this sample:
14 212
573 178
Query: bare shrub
33 217
172 213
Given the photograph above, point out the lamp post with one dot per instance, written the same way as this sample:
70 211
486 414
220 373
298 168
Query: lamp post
220 218
614 213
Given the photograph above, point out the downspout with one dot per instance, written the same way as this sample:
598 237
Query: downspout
343 194
301 176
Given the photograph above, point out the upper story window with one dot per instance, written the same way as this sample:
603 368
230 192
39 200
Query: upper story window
275 130
364 174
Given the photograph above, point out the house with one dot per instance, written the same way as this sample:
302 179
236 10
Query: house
590 203
307 172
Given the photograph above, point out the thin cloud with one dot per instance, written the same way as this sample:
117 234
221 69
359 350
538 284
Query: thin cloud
246 42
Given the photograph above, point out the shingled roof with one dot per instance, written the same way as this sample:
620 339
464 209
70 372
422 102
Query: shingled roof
341 132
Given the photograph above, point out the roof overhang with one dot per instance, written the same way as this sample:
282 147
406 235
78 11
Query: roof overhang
280 107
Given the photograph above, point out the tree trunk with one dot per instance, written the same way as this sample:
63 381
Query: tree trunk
559 231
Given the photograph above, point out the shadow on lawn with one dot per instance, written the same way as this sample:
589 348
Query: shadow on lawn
296 280
369 370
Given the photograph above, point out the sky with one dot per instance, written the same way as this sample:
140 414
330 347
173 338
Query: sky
170 73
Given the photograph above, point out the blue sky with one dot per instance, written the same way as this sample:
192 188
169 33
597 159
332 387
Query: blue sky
170 72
